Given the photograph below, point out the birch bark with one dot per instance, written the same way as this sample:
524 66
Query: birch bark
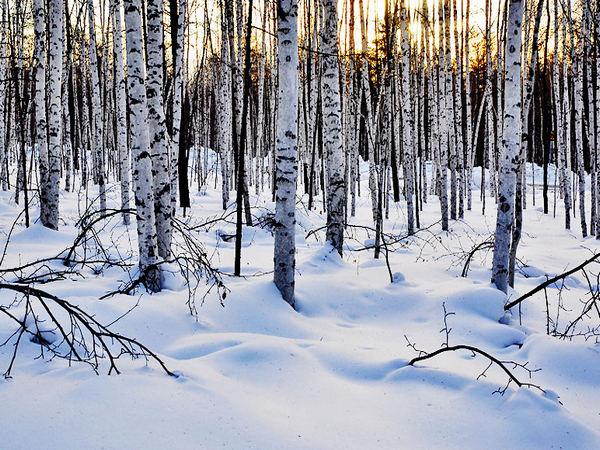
121 109
140 147
470 142
287 149
510 146
177 101
332 128
366 90
41 126
97 126
576 60
55 66
224 116
159 140
3 103
561 138
443 118
407 120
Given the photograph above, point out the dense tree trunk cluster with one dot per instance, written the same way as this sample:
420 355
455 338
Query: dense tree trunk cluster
431 93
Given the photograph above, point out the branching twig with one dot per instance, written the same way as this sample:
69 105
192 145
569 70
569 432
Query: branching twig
476 350
446 329
487 244
86 338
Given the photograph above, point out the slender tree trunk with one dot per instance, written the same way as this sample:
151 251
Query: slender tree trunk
223 112
41 136
332 129
444 120
242 187
97 127
511 143
121 109
55 66
369 143
470 141
408 123
561 125
159 140
4 104
140 148
287 145
578 110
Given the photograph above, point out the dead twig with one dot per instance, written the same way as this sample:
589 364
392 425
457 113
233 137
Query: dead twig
87 340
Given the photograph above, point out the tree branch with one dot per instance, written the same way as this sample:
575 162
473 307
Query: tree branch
551 281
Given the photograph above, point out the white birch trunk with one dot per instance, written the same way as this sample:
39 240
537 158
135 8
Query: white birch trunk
3 91
458 114
369 117
353 111
287 150
470 142
332 128
177 102
561 140
55 66
159 140
576 60
97 126
426 86
597 123
408 123
224 117
444 105
511 146
85 118
140 147
260 112
40 15
590 124
66 119
450 113
121 110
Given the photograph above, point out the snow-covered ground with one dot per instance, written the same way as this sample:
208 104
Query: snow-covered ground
254 374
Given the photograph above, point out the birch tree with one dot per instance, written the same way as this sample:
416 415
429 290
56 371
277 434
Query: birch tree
177 36
407 119
332 128
140 147
444 105
97 125
576 61
55 66
510 146
368 119
3 97
159 140
287 146
121 109
224 115
41 130
560 104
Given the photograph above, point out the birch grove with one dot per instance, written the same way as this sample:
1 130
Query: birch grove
438 99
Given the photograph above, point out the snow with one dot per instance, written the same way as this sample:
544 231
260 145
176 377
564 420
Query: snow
254 374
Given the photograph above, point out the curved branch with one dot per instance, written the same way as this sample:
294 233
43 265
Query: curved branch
474 350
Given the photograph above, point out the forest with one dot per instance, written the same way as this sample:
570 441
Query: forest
300 224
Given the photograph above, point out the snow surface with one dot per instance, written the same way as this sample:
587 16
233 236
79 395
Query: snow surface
254 374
